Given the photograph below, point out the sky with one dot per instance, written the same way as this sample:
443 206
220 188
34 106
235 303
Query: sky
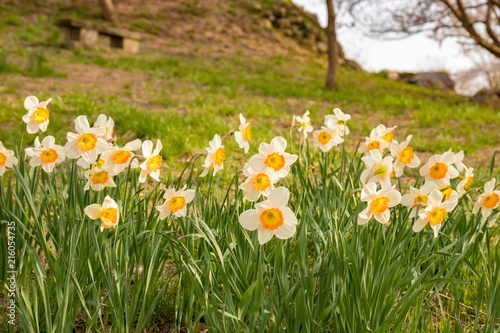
417 53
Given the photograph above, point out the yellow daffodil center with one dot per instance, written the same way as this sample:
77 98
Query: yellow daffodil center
87 142
100 163
406 155
247 133
379 205
121 156
110 214
324 137
177 203
436 216
491 200
154 163
219 156
446 192
468 182
261 182
388 137
373 145
381 170
271 218
340 122
420 200
100 177
275 161
439 170
49 156
3 159
305 124
40 115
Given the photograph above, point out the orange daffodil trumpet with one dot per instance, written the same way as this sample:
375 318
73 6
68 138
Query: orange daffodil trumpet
107 212
38 115
305 126
271 217
151 166
487 201
98 179
439 169
403 156
175 202
379 203
7 159
215 157
244 134
47 154
434 213
272 158
86 144
466 182
384 133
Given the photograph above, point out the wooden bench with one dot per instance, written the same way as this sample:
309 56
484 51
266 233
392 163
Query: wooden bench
84 33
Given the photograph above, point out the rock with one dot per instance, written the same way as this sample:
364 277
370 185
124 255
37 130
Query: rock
353 65
436 80
252 5
297 32
288 32
279 12
284 23
487 97
322 47
311 44
268 14
267 24
392 75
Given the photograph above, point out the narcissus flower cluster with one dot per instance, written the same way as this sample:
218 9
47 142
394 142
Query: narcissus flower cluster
445 179
263 171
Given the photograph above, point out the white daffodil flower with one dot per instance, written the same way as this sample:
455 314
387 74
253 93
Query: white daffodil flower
215 157
403 156
439 169
305 126
379 203
118 159
327 138
7 159
38 115
487 201
272 158
151 166
271 217
244 135
434 213
86 144
257 183
108 213
175 202
47 154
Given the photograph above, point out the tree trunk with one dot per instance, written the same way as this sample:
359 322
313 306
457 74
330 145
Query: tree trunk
109 10
333 50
